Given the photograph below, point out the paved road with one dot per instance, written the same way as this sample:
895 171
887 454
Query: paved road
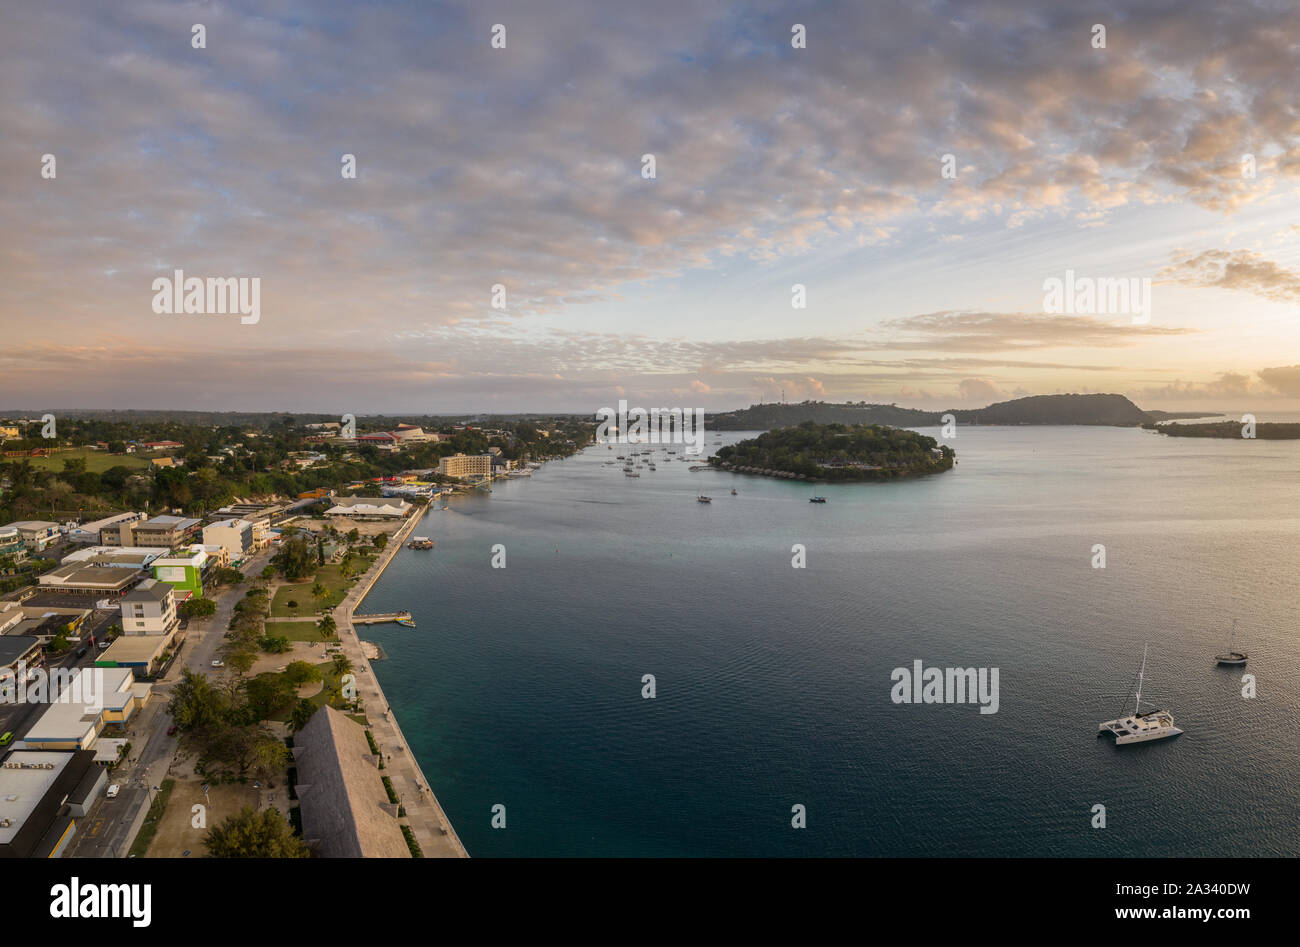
106 830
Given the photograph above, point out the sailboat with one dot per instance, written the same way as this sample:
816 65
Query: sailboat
1139 727
1232 657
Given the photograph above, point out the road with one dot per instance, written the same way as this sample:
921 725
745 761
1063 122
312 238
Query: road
106 831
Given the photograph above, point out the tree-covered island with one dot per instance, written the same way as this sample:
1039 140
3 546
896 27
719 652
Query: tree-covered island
839 452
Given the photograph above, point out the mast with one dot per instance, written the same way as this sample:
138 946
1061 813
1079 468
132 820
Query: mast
1137 705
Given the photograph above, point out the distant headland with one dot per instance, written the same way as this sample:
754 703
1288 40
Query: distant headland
1094 409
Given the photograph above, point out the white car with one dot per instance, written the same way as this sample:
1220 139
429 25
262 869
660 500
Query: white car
112 791
218 663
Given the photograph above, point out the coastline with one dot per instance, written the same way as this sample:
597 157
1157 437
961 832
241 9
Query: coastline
433 830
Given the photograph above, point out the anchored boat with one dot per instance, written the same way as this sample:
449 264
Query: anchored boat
420 542
1232 657
1139 727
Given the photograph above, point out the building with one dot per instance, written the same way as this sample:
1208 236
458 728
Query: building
235 536
466 466
42 794
142 655
170 531
364 508
163 445
36 534
90 532
7 431
15 650
183 571
345 808
42 622
149 609
138 558
78 578
111 697
12 543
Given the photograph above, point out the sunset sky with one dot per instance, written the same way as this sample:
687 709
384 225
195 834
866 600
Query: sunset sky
522 166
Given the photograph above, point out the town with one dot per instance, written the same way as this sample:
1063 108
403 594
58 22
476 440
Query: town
205 569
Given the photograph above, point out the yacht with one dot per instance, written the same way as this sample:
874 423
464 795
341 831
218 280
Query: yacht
704 499
1232 657
816 499
1139 727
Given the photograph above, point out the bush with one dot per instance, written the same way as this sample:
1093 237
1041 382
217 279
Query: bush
411 843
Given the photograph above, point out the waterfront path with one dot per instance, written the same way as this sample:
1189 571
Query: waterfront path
433 831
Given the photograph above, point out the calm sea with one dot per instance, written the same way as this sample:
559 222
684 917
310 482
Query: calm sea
522 686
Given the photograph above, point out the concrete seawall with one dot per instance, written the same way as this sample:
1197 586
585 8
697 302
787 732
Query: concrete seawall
432 828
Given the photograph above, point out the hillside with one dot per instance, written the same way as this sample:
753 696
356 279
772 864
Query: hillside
1101 409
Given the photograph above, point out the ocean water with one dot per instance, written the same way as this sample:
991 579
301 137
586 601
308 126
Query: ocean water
522 686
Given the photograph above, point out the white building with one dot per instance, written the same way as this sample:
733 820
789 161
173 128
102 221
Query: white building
149 609
234 536
90 532
369 507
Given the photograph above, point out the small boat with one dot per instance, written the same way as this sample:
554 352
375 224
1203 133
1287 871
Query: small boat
406 622
420 542
1232 657
445 507
704 499
816 499
630 473
1139 727
733 491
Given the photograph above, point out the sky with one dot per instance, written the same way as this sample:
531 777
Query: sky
921 171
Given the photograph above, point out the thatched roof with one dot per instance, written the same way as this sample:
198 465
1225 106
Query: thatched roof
345 810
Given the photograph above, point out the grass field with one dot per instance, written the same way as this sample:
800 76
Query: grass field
307 605
295 630
97 461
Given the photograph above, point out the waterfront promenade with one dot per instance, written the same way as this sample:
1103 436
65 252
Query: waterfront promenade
433 830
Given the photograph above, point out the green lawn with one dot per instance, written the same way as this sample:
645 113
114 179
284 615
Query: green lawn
295 630
97 461
300 592
142 840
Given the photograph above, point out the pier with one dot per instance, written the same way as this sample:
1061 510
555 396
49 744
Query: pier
379 618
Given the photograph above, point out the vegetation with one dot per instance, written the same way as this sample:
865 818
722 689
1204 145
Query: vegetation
221 724
197 608
253 834
411 843
838 452
144 838
1231 430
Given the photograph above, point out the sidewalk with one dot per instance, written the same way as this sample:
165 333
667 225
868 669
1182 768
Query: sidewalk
432 829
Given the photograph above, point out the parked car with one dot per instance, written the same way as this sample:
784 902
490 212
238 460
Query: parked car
81 652
171 731
7 738
218 663
112 791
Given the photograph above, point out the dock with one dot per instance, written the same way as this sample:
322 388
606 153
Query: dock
379 618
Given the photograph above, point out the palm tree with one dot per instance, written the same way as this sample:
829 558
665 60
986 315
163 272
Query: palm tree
328 627
319 591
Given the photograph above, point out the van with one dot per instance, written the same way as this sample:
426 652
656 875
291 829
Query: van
103 645
7 738
112 791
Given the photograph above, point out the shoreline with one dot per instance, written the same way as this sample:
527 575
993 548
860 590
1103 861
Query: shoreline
438 831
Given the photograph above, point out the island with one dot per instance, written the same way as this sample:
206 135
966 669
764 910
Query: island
836 452
1231 430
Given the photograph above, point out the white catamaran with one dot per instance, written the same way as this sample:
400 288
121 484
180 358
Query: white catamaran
1139 727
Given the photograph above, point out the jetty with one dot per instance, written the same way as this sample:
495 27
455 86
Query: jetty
380 618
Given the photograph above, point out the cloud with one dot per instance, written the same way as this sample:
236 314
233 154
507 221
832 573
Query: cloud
1239 270
1011 331
978 389
1284 380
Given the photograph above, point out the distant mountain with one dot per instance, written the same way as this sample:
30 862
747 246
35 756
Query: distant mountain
1109 410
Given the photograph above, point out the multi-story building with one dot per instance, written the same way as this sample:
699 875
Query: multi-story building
149 609
183 571
12 543
90 532
36 534
466 466
170 531
234 536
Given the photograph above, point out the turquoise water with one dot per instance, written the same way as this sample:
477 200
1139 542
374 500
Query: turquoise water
522 686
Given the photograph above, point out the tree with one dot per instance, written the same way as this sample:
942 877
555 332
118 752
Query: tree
268 573
275 644
253 834
196 703
269 695
302 712
380 541
328 627
354 534
342 665
302 672
319 591
198 608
